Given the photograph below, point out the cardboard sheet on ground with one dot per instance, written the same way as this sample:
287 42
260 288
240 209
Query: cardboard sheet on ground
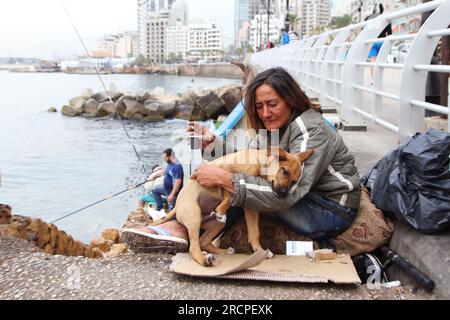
299 269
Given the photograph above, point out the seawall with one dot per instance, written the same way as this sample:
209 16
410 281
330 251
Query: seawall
221 70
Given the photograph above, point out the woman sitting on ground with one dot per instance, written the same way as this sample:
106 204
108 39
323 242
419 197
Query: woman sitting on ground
325 201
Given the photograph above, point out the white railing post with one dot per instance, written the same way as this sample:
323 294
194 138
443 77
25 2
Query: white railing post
332 70
336 76
354 73
413 82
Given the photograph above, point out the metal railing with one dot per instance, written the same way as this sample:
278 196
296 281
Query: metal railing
332 66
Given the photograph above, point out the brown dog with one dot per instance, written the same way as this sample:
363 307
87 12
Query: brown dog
281 169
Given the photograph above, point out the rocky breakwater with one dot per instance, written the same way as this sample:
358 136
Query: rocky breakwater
150 69
156 105
51 240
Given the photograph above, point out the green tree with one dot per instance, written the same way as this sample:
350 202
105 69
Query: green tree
293 21
172 58
319 30
340 22
141 60
248 48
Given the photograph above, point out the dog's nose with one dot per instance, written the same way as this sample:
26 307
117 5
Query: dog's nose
282 193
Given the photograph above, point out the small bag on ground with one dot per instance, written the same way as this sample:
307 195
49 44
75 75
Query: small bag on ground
370 230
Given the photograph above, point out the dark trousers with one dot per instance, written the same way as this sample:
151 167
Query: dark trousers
313 216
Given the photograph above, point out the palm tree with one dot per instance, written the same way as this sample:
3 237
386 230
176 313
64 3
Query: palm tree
293 20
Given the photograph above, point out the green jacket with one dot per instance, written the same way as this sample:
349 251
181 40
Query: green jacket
330 171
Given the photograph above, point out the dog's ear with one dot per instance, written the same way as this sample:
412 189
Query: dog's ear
278 153
303 156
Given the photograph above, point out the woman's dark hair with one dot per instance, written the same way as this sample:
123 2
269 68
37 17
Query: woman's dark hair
285 86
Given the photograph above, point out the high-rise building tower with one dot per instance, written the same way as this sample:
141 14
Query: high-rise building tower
315 14
146 12
241 16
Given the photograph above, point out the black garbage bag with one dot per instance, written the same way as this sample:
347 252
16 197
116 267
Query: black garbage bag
413 182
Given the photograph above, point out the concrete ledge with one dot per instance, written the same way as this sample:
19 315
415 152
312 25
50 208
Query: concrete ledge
428 253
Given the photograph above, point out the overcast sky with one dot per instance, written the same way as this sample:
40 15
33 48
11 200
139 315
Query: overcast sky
40 28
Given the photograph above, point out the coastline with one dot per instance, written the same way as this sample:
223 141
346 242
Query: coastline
216 70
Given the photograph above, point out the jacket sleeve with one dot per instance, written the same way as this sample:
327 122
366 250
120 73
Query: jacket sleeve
257 194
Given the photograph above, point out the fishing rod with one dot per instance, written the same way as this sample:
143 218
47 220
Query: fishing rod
97 72
100 201
120 118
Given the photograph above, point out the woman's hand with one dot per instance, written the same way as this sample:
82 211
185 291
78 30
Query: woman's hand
196 129
210 176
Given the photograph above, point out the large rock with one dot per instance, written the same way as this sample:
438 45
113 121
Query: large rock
5 214
190 97
17 230
153 118
112 235
53 235
70 247
71 112
91 106
211 104
120 107
165 109
143 96
48 249
3 231
92 253
117 250
231 95
138 117
78 249
89 252
21 219
103 96
78 102
61 242
101 244
138 217
133 108
105 109
39 230
88 92
190 112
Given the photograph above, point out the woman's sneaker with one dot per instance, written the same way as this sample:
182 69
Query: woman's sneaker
169 237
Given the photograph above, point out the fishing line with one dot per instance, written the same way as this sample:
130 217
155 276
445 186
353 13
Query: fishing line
100 201
120 118
97 72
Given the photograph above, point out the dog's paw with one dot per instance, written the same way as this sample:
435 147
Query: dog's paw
231 250
209 260
269 255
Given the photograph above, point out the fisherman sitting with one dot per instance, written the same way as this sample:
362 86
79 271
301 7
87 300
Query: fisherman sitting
173 181
156 180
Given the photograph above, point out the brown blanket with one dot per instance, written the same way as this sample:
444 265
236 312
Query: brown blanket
370 230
